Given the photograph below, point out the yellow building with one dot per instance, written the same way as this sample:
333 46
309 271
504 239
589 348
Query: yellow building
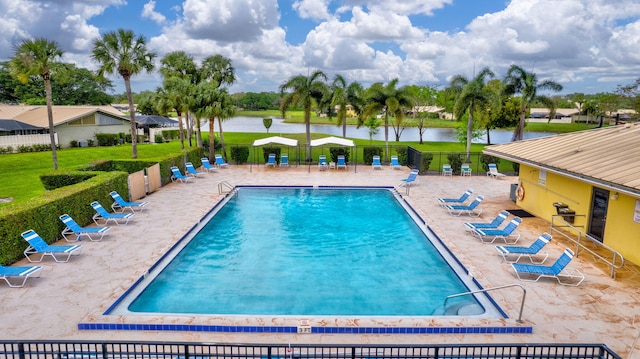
594 173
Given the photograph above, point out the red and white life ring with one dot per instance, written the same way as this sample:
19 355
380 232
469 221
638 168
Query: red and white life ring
520 192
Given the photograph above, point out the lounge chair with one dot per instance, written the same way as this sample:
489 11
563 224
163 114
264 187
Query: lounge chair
444 201
341 162
473 209
322 163
284 160
207 165
18 274
412 178
465 170
533 272
271 161
493 171
395 164
376 163
514 253
220 162
103 214
508 234
38 246
494 224
191 170
73 228
178 176
447 170
120 204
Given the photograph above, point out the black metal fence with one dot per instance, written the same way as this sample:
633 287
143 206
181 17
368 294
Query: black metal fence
178 350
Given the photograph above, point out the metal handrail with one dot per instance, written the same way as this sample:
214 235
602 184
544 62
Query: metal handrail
224 184
581 234
524 295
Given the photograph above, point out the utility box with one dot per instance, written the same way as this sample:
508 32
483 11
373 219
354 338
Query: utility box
512 192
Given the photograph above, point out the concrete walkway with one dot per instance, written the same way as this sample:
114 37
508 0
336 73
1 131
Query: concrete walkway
600 310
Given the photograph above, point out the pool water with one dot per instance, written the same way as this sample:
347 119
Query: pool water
305 251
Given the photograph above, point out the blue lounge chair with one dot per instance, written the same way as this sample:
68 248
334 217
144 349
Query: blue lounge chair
465 170
220 162
103 214
207 165
460 200
120 204
534 250
178 176
508 234
341 162
322 163
376 163
37 245
447 170
191 170
73 228
271 160
394 163
533 272
497 222
473 209
284 160
16 276
412 178
493 171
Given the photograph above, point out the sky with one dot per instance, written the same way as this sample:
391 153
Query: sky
587 46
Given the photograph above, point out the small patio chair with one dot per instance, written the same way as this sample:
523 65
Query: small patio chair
284 160
73 228
447 170
444 201
178 176
412 178
37 245
341 162
103 214
220 161
120 204
465 170
514 253
322 163
493 171
394 163
271 161
16 276
376 163
508 234
191 170
533 272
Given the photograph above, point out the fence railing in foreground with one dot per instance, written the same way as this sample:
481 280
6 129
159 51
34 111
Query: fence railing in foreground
182 350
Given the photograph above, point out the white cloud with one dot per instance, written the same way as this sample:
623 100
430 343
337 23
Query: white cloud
148 12
312 9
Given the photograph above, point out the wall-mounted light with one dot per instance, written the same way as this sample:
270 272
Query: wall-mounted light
614 196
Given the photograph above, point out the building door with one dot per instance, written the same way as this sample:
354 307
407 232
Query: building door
598 218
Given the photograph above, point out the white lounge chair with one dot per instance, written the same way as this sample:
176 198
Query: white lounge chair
376 163
493 171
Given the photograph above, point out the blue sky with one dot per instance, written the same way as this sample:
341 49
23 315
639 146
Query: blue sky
588 46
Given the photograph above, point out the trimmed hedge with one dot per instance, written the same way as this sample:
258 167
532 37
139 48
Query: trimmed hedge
55 180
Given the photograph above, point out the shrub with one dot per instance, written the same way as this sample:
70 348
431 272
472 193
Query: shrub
402 155
240 154
369 152
24 149
158 138
91 143
267 150
486 159
455 160
55 180
338 151
427 157
74 143
107 139
4 150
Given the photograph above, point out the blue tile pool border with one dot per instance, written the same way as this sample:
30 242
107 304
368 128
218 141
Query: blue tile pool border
314 330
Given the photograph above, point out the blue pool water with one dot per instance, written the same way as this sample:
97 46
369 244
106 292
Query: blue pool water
304 251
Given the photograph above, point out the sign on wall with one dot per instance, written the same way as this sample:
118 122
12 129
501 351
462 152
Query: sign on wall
636 212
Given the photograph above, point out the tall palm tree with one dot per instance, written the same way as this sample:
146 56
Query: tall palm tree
179 71
304 91
474 95
343 95
123 52
519 81
391 101
37 58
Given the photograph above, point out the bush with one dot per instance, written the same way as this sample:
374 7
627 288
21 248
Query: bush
402 155
427 158
486 159
268 150
107 139
4 150
240 154
91 143
74 143
55 180
339 151
24 149
369 152
455 160
158 138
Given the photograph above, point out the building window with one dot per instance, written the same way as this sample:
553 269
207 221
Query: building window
84 121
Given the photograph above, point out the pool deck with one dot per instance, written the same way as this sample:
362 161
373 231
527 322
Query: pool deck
600 310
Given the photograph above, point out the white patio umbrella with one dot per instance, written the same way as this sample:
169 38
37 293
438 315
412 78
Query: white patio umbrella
275 139
335 141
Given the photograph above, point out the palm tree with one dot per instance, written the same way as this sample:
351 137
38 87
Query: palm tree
37 58
526 84
342 96
304 91
122 52
389 100
474 95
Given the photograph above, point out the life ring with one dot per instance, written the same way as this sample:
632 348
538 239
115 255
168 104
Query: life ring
520 192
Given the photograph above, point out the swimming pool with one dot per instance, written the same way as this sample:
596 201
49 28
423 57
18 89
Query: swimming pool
306 251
